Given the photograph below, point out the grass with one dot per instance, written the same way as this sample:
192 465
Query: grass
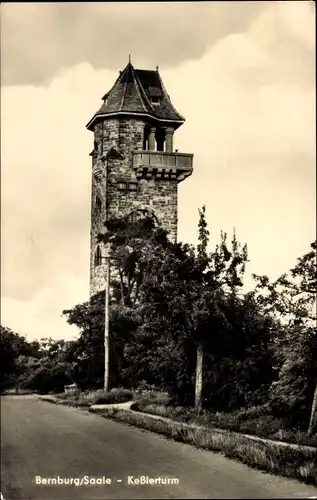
297 463
257 421
152 397
17 392
88 398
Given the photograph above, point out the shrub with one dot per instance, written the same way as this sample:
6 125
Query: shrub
45 380
99 396
256 421
153 397
119 395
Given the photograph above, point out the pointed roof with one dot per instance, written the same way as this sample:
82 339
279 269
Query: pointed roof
132 93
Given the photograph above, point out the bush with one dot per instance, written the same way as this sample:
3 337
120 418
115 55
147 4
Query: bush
45 380
114 396
257 421
152 397
99 396
253 412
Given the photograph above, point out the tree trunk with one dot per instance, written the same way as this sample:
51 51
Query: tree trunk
106 337
313 411
199 377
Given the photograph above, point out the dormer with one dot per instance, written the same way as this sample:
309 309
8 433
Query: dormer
155 94
155 101
105 98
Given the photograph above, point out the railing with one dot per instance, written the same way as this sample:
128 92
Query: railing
156 159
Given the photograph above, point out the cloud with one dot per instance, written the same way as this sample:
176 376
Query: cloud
42 315
103 34
249 103
46 179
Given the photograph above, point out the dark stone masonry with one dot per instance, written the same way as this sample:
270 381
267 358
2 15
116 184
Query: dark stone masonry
134 167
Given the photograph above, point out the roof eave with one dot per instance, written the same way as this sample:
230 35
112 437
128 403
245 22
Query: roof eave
96 117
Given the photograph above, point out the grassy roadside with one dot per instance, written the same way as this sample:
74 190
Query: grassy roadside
87 398
297 463
16 392
65 402
257 421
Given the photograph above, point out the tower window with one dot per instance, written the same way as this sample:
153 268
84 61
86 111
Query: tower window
160 139
98 257
133 186
122 186
155 100
137 215
132 217
146 138
105 98
98 204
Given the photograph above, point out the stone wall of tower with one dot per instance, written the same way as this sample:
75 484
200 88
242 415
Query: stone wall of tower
157 195
98 216
160 196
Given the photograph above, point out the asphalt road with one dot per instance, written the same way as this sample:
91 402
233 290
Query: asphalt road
46 440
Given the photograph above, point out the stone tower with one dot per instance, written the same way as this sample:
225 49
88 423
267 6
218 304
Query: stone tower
135 171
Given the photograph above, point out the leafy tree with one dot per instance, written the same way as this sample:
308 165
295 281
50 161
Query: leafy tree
39 366
186 291
238 371
292 299
12 346
177 314
49 371
8 355
87 352
292 394
129 244
293 295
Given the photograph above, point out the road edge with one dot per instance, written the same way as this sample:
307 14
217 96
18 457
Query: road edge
298 464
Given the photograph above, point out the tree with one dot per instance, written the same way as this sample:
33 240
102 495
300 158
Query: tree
8 353
292 299
12 347
87 354
185 291
293 295
129 244
203 238
238 367
220 270
179 318
49 370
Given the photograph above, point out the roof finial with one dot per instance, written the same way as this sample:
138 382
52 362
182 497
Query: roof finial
129 58
157 67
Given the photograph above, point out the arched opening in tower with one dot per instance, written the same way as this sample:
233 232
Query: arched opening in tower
146 138
98 257
160 139
98 204
140 214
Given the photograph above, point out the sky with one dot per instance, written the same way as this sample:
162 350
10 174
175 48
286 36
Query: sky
242 74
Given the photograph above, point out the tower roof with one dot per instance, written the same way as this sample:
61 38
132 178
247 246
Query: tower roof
133 92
